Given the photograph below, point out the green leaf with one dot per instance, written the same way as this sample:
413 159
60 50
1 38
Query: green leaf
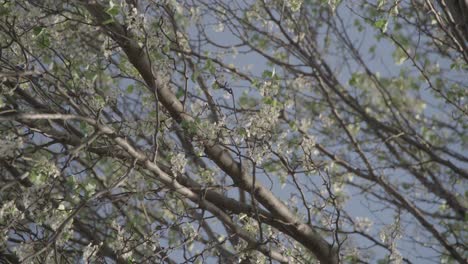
89 188
210 66
263 43
108 21
399 56
113 9
242 132
5 9
270 101
355 79
130 88
247 101
267 74
406 185
180 93
380 4
189 126
38 31
166 49
42 36
195 76
35 177
381 24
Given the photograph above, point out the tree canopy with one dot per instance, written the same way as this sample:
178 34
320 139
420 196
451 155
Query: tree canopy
233 131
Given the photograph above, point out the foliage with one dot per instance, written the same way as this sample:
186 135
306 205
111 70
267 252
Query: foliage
233 131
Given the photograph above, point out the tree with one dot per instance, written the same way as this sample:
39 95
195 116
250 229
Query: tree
137 131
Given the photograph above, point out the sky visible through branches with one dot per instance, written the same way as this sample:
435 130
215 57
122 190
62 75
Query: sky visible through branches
215 131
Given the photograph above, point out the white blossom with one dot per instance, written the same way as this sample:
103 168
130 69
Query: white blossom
308 144
219 27
127 254
8 210
9 145
295 5
178 163
363 224
89 251
24 250
263 122
389 236
55 219
258 153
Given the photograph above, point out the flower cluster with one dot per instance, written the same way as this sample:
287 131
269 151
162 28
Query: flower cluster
178 163
389 236
89 251
263 122
9 145
363 224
